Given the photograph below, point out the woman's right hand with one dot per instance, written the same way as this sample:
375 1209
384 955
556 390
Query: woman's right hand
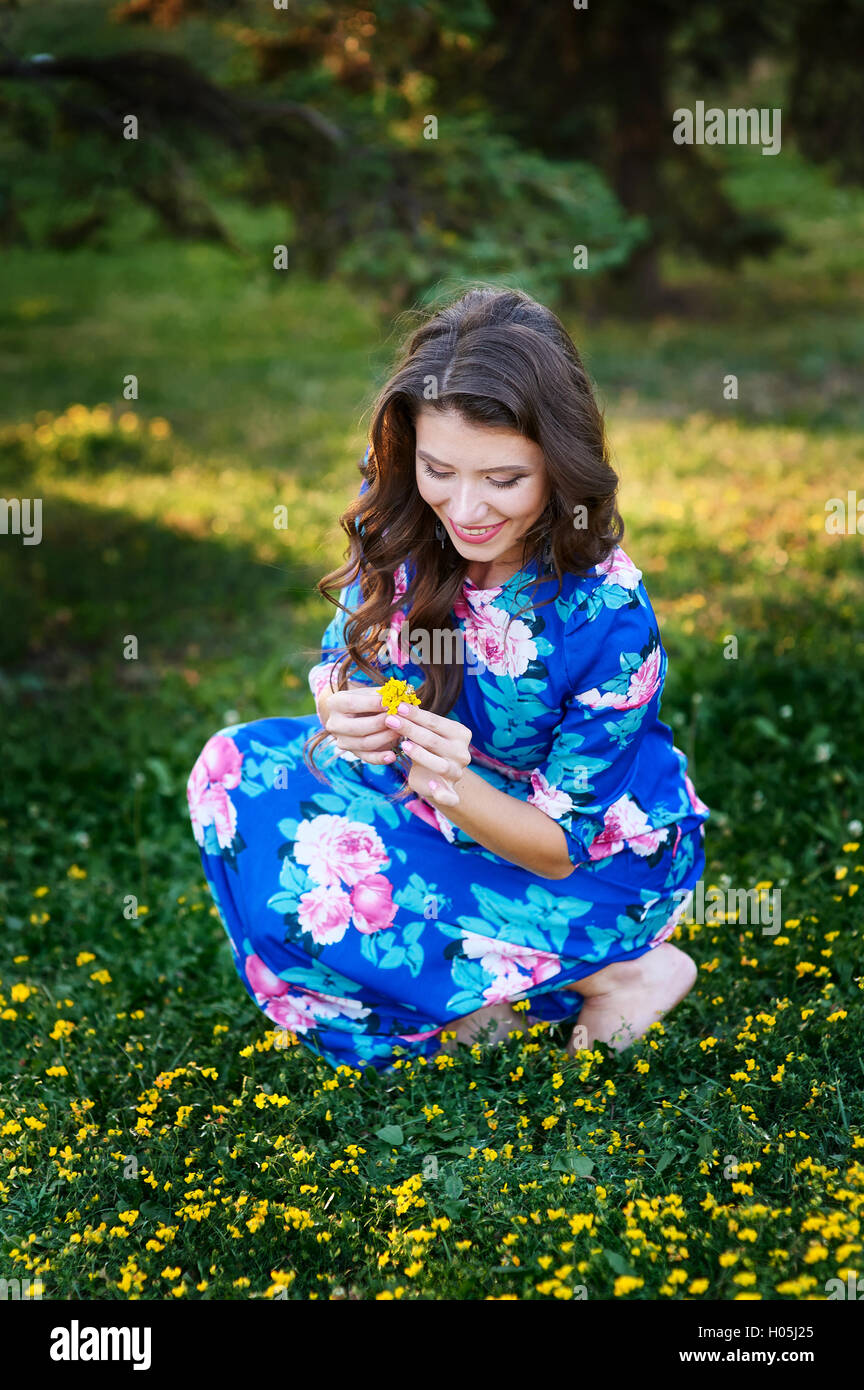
355 719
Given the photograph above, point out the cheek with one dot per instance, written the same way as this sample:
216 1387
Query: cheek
429 490
534 500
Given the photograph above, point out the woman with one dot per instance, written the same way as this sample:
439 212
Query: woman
529 830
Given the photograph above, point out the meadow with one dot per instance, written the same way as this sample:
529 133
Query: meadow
155 1140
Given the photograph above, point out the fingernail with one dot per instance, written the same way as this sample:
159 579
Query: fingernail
433 786
406 744
393 721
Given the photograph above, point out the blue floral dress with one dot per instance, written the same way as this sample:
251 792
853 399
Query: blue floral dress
364 926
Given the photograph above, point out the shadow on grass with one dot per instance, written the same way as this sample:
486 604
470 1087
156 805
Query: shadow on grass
100 575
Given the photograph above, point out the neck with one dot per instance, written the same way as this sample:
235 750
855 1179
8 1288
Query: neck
489 574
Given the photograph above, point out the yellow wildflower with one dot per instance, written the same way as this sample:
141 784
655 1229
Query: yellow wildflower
395 692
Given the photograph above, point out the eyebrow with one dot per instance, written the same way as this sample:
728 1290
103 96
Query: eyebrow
484 468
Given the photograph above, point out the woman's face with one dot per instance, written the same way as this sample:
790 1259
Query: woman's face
489 481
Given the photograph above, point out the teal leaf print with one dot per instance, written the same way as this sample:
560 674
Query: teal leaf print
464 1002
369 948
469 975
333 805
414 894
414 957
249 787
393 959
367 805
625 728
603 939
283 902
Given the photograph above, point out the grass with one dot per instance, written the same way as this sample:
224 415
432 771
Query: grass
156 1142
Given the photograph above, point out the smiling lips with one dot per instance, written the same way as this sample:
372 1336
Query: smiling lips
478 534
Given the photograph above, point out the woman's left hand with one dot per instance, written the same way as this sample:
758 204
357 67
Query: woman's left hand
438 750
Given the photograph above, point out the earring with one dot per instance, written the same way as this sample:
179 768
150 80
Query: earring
440 531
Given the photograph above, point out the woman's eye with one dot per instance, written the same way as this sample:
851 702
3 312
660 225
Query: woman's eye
511 482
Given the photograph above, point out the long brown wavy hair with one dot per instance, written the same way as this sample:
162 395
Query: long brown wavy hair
496 357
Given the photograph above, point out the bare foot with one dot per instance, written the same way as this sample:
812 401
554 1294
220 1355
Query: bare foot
471 1028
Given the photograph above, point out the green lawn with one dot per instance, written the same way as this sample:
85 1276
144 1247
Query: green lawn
155 1142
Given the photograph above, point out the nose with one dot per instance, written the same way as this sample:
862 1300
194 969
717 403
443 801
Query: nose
466 508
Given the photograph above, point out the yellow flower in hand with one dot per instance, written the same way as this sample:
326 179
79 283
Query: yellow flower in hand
395 692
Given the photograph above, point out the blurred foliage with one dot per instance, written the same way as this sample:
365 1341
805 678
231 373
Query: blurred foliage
554 131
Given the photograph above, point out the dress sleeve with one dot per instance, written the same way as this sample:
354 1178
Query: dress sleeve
615 666
333 641
333 646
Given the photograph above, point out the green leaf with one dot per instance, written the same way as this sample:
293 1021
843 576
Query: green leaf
391 1134
155 1210
572 1162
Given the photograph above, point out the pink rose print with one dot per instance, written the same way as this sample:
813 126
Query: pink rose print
515 968
665 932
626 824
263 980
396 655
618 568
423 810
552 800
400 581
290 1011
319 677
643 684
308 1008
292 1007
325 912
432 816
520 774
504 645
216 771
337 850
695 801
421 1037
372 904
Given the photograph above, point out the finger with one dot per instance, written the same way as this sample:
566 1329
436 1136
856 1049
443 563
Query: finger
358 700
424 758
436 723
425 738
368 755
371 743
444 794
355 724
